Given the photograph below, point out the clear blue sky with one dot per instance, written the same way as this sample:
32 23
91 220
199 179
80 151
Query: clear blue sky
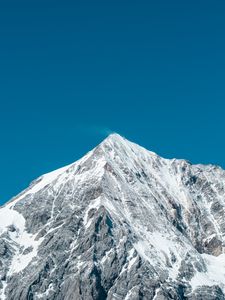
70 71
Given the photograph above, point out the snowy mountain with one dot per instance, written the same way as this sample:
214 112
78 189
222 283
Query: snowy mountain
121 223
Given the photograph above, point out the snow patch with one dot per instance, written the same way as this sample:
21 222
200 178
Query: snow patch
94 204
131 262
2 291
106 256
215 274
38 184
10 217
46 293
142 247
22 239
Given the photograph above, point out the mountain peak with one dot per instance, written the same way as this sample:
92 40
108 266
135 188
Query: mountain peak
125 147
114 137
119 223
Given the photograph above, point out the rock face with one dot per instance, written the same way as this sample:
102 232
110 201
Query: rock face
121 223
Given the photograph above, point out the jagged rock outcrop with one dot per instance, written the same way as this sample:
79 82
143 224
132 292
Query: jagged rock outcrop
121 223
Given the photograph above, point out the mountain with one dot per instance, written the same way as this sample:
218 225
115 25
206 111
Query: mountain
121 223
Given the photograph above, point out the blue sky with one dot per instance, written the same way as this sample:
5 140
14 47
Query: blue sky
72 71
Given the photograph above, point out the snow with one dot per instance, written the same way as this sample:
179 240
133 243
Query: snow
80 264
10 217
20 261
215 274
2 291
131 262
39 184
106 256
142 247
46 179
94 204
20 237
129 294
46 293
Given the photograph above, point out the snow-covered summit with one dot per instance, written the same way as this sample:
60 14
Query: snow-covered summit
120 223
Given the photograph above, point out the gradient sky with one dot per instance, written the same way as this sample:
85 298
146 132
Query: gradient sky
72 71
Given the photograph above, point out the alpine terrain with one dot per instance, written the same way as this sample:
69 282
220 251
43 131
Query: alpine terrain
121 223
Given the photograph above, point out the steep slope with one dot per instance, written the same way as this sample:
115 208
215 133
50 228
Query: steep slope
121 223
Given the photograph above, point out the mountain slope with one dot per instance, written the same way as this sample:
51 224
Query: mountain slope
121 223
